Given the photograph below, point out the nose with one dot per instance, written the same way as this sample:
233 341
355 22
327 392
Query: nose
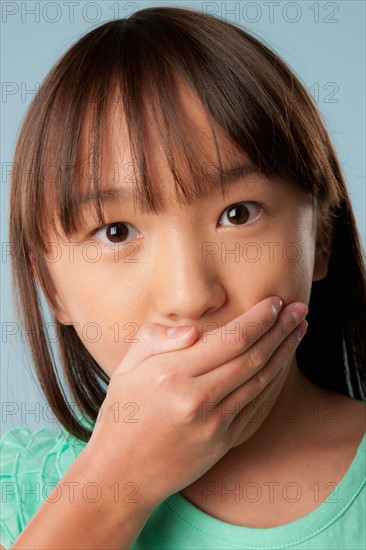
185 287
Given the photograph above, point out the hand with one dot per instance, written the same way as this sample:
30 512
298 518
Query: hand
170 440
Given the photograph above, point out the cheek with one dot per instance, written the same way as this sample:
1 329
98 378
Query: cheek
300 266
107 327
284 267
104 314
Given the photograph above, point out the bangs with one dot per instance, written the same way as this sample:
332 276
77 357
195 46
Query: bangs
138 67
159 118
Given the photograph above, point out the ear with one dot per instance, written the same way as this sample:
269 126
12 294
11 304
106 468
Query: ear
320 265
44 281
323 248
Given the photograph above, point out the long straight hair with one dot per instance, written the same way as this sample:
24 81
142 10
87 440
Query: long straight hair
264 110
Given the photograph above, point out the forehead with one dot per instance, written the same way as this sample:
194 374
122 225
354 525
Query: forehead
119 163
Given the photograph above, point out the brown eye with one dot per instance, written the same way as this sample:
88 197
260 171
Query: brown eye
241 212
115 233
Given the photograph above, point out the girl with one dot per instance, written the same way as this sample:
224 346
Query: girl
206 421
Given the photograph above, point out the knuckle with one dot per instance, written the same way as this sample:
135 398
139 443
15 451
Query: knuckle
209 430
262 378
288 328
165 376
216 426
188 409
256 401
255 357
145 332
192 407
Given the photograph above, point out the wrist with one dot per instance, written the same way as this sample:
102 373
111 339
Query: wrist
119 492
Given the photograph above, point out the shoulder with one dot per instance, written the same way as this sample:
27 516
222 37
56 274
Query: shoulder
32 463
351 416
23 450
339 419
18 439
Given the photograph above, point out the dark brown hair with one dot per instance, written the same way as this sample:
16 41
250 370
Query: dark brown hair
264 110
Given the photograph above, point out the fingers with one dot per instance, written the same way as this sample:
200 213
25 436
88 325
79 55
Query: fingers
215 348
246 410
218 345
247 398
256 366
275 367
153 339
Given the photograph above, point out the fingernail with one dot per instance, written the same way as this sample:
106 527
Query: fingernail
179 332
277 305
299 312
300 331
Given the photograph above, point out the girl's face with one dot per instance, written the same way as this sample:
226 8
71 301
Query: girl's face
202 264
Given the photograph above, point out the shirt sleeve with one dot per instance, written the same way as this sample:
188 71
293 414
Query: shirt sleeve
31 465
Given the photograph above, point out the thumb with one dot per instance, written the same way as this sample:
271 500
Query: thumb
153 339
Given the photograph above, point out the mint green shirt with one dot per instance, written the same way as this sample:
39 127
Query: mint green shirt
33 463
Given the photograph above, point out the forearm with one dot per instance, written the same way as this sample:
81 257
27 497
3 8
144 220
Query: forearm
88 509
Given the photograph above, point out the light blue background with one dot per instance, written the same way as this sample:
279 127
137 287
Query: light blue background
323 42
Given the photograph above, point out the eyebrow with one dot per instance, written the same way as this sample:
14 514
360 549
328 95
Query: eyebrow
124 194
